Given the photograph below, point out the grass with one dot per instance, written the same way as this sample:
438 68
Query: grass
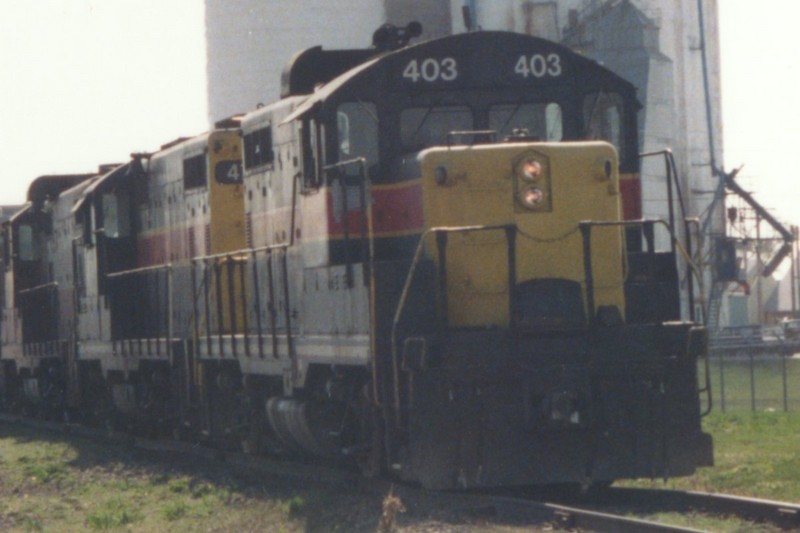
52 484
755 454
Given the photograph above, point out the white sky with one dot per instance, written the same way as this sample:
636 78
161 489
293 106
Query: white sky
761 100
86 82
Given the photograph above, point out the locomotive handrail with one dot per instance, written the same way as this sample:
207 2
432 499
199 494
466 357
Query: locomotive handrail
44 286
407 287
672 179
706 389
692 269
168 267
241 251
242 254
367 232
140 270
361 163
695 222
691 266
491 134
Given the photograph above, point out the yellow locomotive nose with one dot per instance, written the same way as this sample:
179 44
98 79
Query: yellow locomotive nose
541 189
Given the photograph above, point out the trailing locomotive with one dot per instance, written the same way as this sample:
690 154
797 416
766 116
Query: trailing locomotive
427 258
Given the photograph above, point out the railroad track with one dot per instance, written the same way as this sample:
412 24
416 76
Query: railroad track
602 512
780 514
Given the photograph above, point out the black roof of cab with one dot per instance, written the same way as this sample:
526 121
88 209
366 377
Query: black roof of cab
314 66
485 59
50 186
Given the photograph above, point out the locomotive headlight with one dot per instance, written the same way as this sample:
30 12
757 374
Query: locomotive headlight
531 174
530 169
532 197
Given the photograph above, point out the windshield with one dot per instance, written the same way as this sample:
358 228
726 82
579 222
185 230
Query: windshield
421 127
541 121
602 114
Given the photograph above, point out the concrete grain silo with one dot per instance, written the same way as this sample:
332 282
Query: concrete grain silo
248 42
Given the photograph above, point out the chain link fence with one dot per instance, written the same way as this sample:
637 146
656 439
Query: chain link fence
753 380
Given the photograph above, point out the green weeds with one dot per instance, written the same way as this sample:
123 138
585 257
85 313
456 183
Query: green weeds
112 513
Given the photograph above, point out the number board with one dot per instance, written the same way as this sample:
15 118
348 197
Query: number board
531 67
228 172
504 67
433 70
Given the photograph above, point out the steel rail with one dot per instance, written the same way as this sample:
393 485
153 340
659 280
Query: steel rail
781 514
575 518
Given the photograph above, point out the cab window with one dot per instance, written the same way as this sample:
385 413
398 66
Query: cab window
542 121
357 128
116 215
258 148
194 172
27 243
602 115
421 127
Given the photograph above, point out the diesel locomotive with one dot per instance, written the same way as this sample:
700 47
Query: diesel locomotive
429 259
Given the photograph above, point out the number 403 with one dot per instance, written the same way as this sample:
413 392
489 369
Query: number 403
539 66
431 70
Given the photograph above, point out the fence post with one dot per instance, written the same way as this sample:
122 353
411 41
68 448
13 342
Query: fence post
785 385
752 382
721 381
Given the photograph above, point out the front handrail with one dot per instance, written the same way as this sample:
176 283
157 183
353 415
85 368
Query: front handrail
692 270
407 287
586 226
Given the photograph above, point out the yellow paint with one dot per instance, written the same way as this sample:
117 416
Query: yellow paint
226 201
227 228
483 187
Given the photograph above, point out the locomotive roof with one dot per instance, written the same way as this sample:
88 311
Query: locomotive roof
487 59
51 186
133 166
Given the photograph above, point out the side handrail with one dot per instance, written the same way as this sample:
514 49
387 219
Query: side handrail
585 227
168 267
251 254
337 170
368 233
39 288
692 268
673 180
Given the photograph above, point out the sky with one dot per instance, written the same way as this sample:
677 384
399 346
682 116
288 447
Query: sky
87 82
761 100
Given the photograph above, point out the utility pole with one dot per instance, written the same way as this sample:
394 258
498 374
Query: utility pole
793 278
759 270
